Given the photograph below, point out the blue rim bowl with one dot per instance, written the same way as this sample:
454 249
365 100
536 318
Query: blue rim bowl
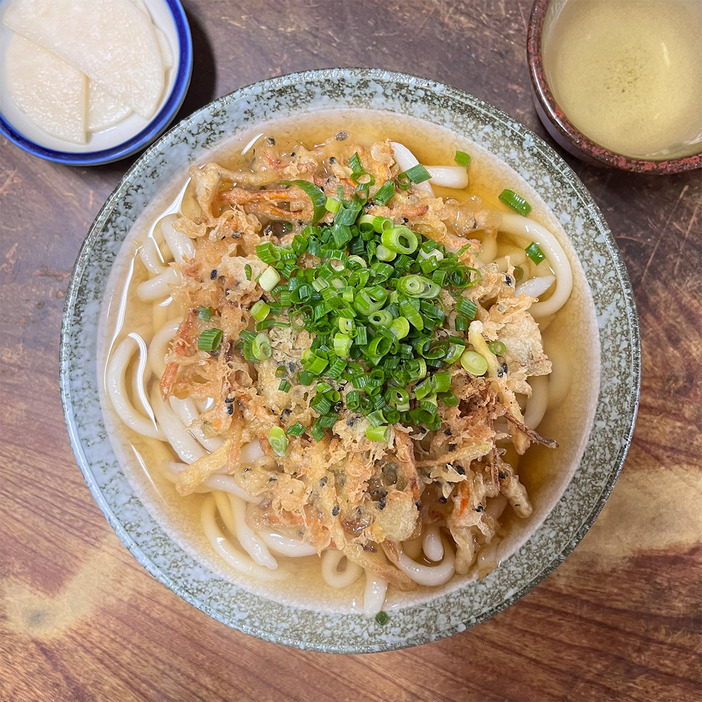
147 135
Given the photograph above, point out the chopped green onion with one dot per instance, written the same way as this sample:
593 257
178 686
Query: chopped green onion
518 273
209 340
516 202
204 313
320 403
412 315
449 399
261 347
355 164
416 174
497 347
268 252
269 279
461 323
296 429
382 618
319 199
418 286
278 441
281 372
454 352
342 345
462 158
376 417
534 252
441 382
304 377
380 318
382 253
284 386
379 433
260 311
360 261
248 271
400 327
385 194
474 363
423 389
370 299
467 308
317 431
332 205
315 364
400 239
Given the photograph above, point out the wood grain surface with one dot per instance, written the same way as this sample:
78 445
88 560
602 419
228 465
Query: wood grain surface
81 620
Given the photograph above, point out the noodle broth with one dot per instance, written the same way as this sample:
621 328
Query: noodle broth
570 340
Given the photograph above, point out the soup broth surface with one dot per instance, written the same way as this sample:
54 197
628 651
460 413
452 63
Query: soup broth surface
570 340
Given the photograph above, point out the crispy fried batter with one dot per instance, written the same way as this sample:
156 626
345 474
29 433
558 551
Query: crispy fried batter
358 495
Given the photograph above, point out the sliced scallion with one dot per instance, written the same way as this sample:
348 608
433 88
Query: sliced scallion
319 199
260 310
278 441
269 279
516 202
261 347
474 363
534 252
379 433
462 158
416 174
210 339
400 239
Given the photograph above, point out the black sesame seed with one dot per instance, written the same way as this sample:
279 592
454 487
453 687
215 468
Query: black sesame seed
340 136
381 503
442 499
292 153
508 279
323 481
447 432
332 159
335 510
271 141
213 274
230 409
479 508
502 476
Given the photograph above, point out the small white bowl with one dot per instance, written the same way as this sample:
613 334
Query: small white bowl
132 134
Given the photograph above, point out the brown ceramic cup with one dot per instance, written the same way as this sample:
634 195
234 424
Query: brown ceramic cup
559 126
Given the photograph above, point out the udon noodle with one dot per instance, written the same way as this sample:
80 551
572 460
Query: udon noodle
403 482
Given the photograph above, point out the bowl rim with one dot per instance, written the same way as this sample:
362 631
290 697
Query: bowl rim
551 110
143 138
614 462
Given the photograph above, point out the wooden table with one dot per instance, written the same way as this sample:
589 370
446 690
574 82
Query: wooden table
81 620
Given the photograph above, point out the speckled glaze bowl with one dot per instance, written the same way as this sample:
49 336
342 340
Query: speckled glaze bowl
605 448
562 129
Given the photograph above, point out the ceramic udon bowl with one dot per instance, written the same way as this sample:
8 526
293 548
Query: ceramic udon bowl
445 612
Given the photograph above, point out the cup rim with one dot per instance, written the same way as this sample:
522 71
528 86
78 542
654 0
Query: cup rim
551 110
